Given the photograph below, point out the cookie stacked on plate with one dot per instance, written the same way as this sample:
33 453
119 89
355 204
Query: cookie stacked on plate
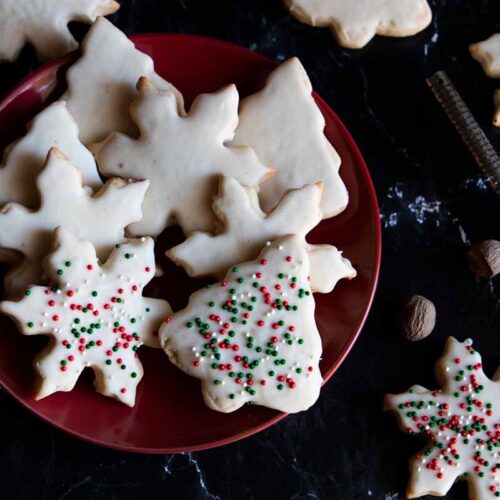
245 181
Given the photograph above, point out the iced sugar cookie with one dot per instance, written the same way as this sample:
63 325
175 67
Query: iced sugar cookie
181 156
355 22
95 314
243 229
284 126
53 127
252 337
99 218
101 84
44 24
487 53
461 422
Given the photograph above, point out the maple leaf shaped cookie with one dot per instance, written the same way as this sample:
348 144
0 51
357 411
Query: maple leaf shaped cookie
53 127
461 422
181 157
252 337
284 126
44 24
96 316
355 23
102 83
99 218
487 53
244 229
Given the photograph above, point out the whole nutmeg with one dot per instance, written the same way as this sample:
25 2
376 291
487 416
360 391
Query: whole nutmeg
484 258
418 318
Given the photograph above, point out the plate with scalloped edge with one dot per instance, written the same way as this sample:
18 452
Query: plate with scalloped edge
169 415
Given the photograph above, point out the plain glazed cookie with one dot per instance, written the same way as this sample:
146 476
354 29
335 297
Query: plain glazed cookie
252 338
44 24
461 423
243 229
355 22
95 315
181 156
100 218
285 127
53 127
101 84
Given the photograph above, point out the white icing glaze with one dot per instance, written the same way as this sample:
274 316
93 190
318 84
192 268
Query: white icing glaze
181 156
99 218
467 430
284 126
252 337
101 84
44 24
244 229
487 53
81 318
53 127
355 23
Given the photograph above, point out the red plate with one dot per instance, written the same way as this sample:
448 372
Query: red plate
169 415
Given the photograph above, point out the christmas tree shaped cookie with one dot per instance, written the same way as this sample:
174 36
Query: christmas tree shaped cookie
244 229
461 423
95 314
181 156
101 84
44 23
252 337
53 127
285 127
100 218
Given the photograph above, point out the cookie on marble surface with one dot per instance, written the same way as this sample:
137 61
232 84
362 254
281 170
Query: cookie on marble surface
53 127
252 338
285 127
181 156
100 218
461 422
44 24
487 53
243 229
355 22
496 117
102 83
95 314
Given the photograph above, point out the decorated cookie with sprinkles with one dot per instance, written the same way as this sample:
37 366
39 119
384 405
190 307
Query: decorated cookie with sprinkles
252 337
95 314
99 217
181 156
244 229
461 423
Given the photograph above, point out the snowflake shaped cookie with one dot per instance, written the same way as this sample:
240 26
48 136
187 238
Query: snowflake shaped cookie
95 314
355 22
487 53
461 422
101 84
181 157
252 337
244 229
99 218
285 127
44 24
53 127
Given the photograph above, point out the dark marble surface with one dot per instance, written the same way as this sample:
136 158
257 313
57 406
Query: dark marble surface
432 201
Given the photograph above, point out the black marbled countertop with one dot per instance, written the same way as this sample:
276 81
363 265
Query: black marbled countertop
432 200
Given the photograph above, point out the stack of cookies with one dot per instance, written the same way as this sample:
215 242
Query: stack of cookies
246 182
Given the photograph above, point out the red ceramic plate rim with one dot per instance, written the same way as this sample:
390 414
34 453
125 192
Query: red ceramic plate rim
28 82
